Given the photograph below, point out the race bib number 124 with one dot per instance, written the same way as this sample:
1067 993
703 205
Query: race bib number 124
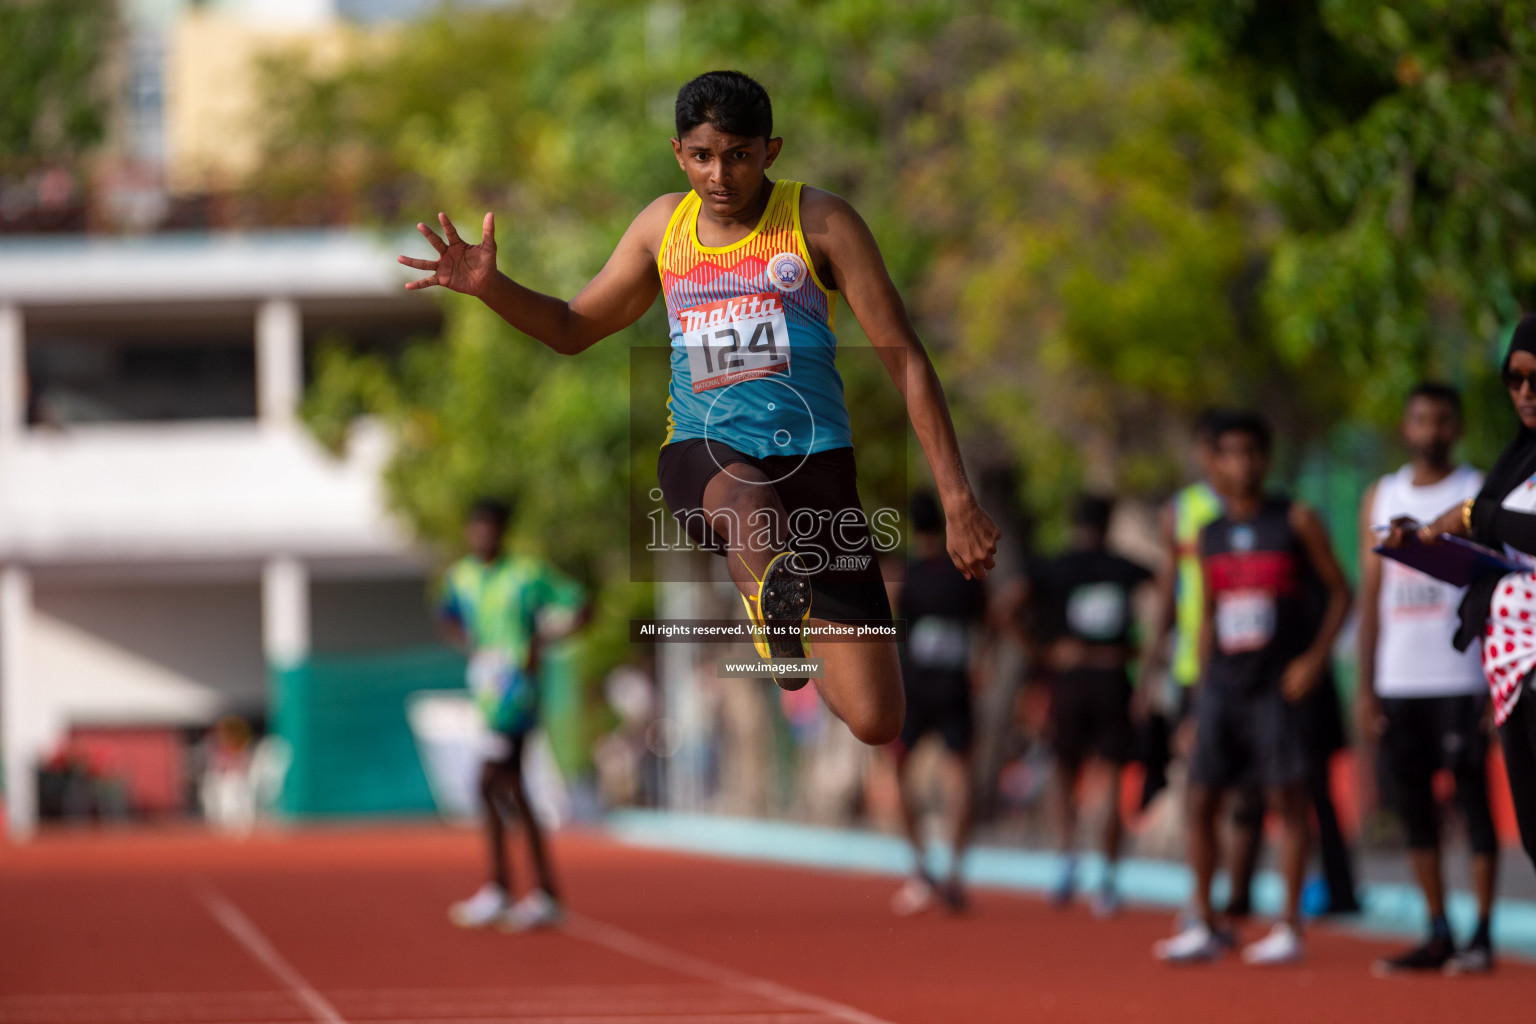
735 340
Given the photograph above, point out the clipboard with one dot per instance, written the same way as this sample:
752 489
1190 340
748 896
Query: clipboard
1454 560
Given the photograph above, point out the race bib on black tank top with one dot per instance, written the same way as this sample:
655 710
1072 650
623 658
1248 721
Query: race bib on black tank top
1266 603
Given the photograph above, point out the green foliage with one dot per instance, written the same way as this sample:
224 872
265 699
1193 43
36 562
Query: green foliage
1404 146
1091 221
51 107
1065 207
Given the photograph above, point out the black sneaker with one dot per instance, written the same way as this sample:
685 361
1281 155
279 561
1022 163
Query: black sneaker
1432 956
783 602
1475 959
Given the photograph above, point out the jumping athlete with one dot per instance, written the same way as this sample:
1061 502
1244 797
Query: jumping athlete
1262 652
501 609
758 463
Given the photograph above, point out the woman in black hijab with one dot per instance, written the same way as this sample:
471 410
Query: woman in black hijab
1499 609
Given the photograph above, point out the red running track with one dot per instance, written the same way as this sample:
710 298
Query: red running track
349 926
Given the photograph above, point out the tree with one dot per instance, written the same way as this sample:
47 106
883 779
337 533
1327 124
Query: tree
1403 162
51 52
1067 208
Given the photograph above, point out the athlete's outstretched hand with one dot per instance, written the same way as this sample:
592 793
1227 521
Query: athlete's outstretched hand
459 266
971 538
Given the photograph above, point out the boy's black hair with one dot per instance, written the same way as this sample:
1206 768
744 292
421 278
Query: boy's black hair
1093 511
925 513
1250 423
1205 424
1436 391
727 100
494 509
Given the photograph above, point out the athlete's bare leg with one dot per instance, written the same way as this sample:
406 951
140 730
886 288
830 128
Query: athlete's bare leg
491 784
1485 879
1204 802
543 873
1065 780
744 510
955 770
1291 804
1426 868
1114 825
862 685
901 758
1245 839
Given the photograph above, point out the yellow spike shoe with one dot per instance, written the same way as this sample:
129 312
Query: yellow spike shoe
783 599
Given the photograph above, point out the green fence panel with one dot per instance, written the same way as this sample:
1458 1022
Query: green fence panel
344 718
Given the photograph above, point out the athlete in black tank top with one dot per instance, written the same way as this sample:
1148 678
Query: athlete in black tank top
1260 583
1264 648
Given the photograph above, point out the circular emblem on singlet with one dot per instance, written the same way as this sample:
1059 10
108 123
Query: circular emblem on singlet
1242 538
786 272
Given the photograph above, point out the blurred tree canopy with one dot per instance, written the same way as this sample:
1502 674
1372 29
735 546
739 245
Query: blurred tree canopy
52 109
1402 145
1104 216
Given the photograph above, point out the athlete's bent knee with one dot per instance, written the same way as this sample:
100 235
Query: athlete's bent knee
878 725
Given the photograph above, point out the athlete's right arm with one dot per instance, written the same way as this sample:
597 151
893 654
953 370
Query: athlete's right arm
1367 704
620 293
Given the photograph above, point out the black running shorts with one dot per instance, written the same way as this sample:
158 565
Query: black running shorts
827 524
1091 716
1425 735
1247 738
937 701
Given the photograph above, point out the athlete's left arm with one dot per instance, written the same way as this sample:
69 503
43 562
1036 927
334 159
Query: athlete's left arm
1305 672
842 245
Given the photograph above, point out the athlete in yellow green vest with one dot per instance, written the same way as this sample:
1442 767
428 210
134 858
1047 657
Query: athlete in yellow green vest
500 608
1180 586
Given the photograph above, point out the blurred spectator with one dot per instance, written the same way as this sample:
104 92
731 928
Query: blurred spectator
620 757
1083 604
1423 700
943 611
228 789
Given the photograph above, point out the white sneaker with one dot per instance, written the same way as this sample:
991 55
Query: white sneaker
1281 946
1196 944
536 910
915 896
483 908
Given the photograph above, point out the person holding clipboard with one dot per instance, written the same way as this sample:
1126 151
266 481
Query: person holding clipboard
1499 609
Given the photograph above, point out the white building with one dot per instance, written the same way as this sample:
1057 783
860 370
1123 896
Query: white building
168 531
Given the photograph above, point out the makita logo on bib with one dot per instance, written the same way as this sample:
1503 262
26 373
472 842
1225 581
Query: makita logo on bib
748 307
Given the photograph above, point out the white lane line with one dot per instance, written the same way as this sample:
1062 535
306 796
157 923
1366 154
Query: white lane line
249 936
620 941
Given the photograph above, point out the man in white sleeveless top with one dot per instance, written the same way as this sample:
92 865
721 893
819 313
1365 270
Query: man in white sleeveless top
1425 700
